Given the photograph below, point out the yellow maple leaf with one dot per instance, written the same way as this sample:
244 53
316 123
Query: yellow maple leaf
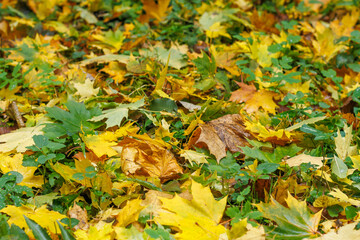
259 50
217 30
42 216
337 193
345 232
130 233
129 213
261 99
102 144
86 90
193 156
280 136
19 139
116 71
342 144
102 232
43 8
324 46
346 25
112 40
198 218
14 163
153 10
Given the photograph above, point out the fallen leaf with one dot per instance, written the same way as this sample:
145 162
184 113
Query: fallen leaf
293 222
243 94
193 156
325 201
345 232
225 133
104 232
158 10
304 158
80 214
19 139
341 196
86 90
143 158
342 144
129 213
115 116
198 218
14 163
42 216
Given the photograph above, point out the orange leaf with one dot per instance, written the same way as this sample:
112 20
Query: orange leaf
140 157
153 10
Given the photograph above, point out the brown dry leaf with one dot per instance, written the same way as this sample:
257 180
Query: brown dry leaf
225 133
142 158
153 10
80 214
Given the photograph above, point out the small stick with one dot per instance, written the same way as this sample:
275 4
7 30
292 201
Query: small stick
17 115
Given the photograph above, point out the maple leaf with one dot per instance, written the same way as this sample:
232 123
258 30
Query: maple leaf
42 8
342 144
144 158
101 144
345 232
304 158
86 89
80 214
265 22
155 10
295 222
103 232
19 139
110 39
254 99
193 156
14 163
198 218
176 59
244 93
227 132
281 136
324 46
116 115
129 213
217 30
116 71
44 217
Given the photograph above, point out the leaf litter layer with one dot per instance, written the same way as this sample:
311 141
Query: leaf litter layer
176 119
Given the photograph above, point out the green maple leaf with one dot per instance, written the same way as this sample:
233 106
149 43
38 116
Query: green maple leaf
294 222
70 122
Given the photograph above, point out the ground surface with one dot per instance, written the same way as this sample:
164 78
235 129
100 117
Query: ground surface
179 119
